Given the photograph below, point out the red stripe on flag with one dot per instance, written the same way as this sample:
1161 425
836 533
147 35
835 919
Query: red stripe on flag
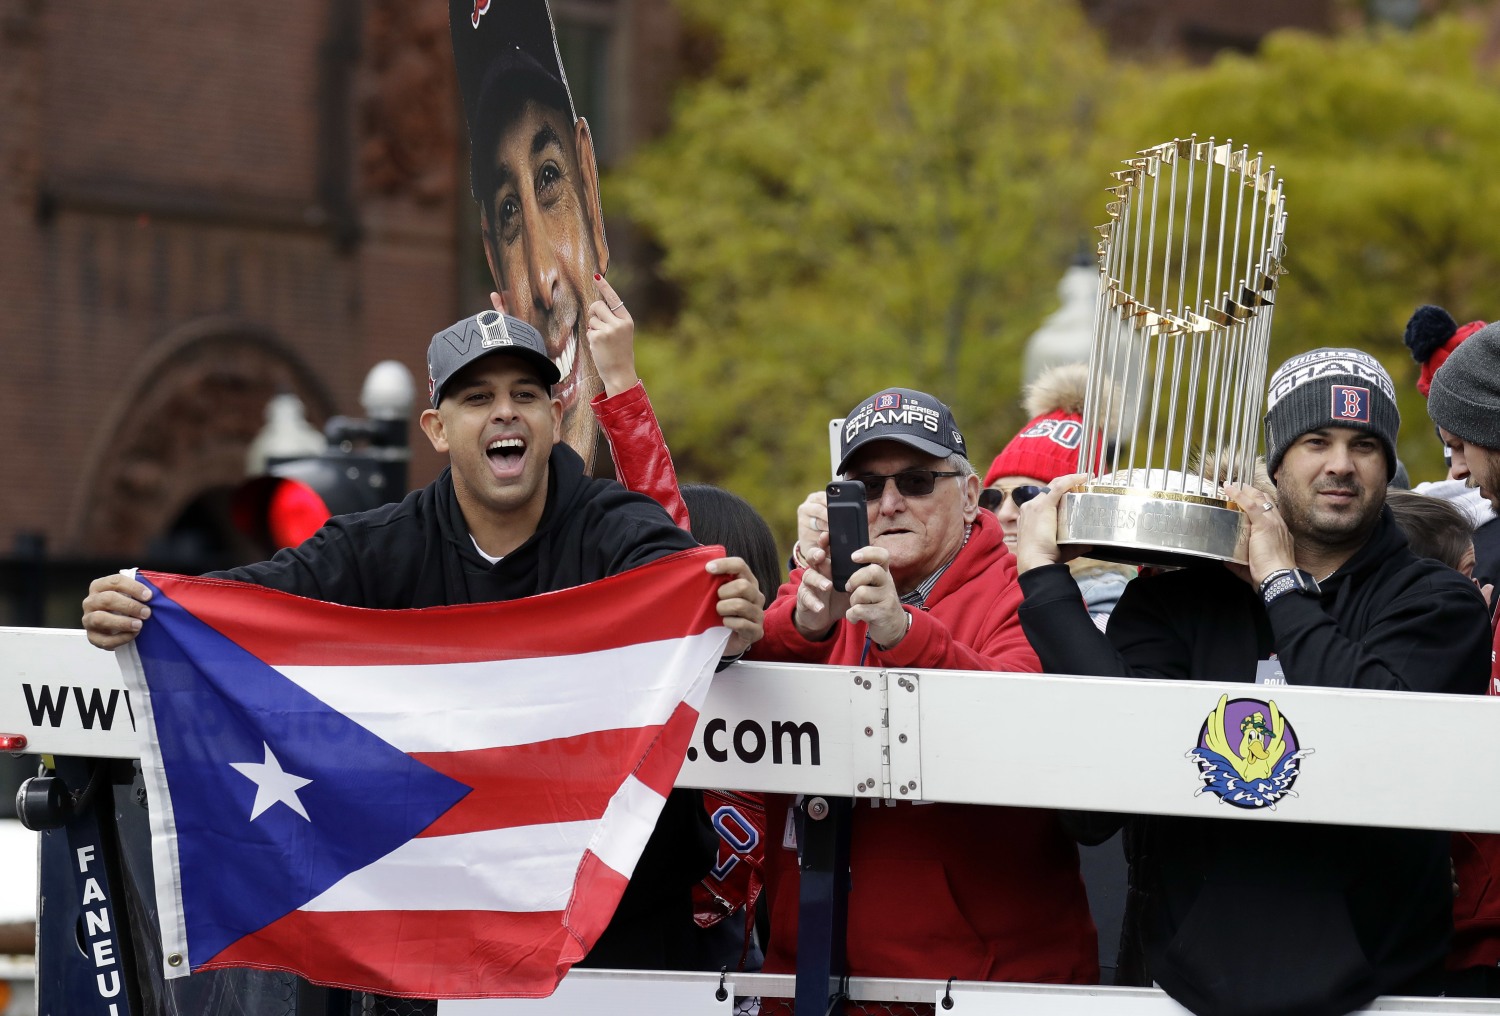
437 953
286 630
568 779
659 769
596 892
422 954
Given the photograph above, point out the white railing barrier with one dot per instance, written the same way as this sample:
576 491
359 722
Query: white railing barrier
634 993
1372 758
1094 744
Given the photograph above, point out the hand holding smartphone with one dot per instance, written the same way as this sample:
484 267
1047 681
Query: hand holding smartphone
848 529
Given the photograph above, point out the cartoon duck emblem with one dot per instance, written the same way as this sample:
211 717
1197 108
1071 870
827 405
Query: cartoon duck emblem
1247 754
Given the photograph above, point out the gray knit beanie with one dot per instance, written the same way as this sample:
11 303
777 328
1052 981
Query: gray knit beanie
1465 395
1330 388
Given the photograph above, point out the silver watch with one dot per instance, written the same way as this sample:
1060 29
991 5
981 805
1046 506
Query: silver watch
1288 580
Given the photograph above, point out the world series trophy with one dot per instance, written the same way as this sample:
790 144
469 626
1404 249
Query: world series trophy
1188 267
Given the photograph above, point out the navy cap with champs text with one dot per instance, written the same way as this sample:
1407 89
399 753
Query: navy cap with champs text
905 416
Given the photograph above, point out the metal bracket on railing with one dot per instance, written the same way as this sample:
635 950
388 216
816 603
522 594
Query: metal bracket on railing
869 725
903 710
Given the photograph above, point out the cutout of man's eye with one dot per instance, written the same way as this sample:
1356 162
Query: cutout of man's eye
509 214
547 179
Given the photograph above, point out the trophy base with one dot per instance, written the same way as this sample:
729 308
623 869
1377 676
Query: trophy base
1150 527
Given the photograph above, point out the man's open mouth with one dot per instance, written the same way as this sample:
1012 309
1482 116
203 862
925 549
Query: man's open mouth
506 455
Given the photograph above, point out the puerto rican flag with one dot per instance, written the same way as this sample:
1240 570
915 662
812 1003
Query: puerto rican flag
440 803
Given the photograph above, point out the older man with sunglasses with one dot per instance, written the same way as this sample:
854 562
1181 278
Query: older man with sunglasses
938 890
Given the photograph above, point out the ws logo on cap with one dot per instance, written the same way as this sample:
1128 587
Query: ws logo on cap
496 333
1350 403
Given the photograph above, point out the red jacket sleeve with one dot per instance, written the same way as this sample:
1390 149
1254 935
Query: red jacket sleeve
972 625
639 450
975 627
782 642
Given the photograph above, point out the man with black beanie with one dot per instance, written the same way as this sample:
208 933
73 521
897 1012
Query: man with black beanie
1432 336
1334 598
1464 400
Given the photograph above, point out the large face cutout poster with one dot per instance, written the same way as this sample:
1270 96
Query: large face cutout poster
533 175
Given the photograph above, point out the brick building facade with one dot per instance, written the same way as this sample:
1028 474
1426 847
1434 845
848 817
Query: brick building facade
202 205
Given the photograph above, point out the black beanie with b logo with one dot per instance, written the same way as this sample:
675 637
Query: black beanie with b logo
1330 388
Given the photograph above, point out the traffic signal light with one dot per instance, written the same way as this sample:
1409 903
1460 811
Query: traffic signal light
362 465
295 498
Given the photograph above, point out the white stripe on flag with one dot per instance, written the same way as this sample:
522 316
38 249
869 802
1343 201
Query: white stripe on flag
524 869
627 825
510 702
519 870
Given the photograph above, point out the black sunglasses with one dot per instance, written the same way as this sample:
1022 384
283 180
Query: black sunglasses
991 498
909 482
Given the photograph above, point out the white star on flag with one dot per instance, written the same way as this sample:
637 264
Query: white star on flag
272 784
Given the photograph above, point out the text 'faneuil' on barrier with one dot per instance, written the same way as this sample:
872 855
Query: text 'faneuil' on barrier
1125 746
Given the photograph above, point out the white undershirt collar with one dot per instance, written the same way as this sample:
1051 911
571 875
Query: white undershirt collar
491 558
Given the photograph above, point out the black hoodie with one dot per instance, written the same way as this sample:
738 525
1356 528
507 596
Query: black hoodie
1290 918
418 553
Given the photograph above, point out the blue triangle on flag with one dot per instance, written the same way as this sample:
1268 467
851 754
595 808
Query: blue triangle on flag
215 704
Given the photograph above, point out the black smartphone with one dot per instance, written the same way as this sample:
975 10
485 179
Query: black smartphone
848 528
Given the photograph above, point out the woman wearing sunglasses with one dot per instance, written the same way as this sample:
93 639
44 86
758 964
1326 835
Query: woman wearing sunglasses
1048 446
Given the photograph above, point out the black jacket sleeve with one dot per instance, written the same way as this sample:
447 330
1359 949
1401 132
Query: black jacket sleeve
323 567
1056 621
1142 640
644 534
1433 636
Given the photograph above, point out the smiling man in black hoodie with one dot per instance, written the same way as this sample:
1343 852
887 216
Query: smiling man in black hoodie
1334 598
514 515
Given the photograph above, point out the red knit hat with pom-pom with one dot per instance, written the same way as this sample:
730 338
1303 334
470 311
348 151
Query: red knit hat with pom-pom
1432 335
1048 445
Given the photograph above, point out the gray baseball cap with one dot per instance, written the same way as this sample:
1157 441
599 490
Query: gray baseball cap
460 344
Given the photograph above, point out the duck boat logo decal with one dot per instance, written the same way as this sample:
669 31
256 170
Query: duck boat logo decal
1247 754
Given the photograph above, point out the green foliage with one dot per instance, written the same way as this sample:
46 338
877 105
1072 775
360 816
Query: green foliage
860 196
1387 145
885 193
